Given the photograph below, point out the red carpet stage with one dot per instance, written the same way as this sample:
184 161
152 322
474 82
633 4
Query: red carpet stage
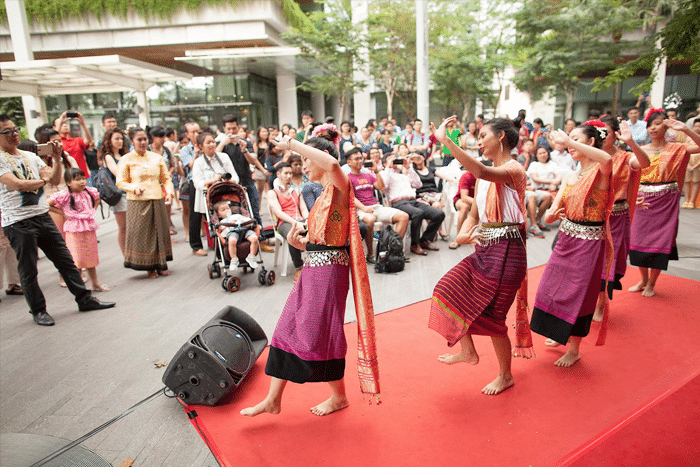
634 401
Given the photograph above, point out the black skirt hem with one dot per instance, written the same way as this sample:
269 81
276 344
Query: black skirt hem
612 285
556 328
287 366
660 261
155 267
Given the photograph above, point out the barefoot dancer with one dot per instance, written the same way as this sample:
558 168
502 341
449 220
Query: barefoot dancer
625 180
655 225
567 293
474 296
308 344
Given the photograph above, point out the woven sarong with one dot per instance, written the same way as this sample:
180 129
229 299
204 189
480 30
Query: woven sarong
308 344
475 295
568 291
653 233
83 248
148 244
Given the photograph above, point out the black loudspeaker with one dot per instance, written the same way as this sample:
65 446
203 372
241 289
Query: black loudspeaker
216 358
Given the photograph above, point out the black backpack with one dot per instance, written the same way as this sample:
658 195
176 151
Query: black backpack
389 256
106 187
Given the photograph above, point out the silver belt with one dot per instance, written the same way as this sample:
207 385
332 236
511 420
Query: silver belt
619 209
659 189
491 235
327 257
585 232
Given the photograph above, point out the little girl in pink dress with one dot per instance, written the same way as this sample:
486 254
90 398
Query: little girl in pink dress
78 202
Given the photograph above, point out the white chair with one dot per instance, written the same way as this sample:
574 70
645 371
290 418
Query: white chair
280 241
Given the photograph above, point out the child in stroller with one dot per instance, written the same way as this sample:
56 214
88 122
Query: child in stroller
233 227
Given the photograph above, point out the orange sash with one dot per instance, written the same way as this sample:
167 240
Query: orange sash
328 225
494 213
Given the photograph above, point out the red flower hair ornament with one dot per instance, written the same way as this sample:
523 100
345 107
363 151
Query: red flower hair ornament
653 111
598 125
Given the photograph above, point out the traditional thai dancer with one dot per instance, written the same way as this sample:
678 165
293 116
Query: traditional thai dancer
475 296
625 181
567 293
308 344
655 225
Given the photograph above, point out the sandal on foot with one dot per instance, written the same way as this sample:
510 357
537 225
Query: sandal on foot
101 288
14 290
453 246
163 273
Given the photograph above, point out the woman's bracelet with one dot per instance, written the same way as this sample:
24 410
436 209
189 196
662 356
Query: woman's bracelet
289 144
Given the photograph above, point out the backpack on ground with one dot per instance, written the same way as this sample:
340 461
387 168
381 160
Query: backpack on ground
389 257
106 187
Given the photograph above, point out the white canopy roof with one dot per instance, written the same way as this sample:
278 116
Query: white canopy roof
82 75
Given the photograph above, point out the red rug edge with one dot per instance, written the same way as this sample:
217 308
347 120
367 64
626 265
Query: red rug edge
606 434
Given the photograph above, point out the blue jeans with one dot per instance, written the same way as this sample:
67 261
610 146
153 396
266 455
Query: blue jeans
254 202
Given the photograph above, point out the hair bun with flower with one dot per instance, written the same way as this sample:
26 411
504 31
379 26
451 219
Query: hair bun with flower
327 127
598 125
653 111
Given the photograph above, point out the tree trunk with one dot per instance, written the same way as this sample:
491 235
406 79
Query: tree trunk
466 110
616 99
570 93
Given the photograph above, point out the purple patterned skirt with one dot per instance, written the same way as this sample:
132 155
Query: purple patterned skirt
309 344
653 234
568 291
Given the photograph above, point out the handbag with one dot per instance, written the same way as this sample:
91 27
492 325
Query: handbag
106 187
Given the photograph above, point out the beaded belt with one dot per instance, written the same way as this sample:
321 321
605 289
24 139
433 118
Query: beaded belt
494 234
327 258
619 209
585 232
658 189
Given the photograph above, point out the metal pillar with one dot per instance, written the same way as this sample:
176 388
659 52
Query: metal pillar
422 68
361 99
286 97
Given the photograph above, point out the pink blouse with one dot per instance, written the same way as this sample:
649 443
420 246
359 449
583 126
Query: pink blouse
82 218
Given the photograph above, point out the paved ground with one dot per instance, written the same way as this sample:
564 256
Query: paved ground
66 380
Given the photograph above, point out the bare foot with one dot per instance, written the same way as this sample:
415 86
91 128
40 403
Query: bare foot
568 359
551 343
648 291
163 273
152 274
463 356
263 407
638 287
598 315
332 404
498 385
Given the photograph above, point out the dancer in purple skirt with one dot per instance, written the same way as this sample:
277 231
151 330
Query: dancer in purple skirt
308 344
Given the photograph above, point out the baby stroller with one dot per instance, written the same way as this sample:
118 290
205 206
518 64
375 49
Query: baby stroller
237 198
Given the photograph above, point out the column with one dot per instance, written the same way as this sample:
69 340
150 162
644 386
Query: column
287 111
657 89
144 110
318 106
34 107
422 69
361 99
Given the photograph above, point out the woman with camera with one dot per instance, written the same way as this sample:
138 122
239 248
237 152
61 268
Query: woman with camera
309 344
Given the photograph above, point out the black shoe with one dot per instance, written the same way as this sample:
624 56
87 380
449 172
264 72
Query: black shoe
42 318
94 304
370 259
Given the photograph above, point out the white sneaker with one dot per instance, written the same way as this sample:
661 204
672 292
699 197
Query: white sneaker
233 264
252 261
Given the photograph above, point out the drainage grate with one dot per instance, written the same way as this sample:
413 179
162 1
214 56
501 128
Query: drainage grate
24 449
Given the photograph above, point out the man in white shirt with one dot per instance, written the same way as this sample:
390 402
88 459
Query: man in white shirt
637 127
27 225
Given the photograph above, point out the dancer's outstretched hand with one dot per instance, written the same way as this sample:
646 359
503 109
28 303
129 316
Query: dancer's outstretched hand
470 236
441 131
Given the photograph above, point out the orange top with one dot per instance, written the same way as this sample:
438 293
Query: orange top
583 202
329 220
665 166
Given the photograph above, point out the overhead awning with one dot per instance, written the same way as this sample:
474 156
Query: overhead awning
260 60
82 75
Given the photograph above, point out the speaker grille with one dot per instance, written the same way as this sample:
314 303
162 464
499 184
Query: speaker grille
230 345
197 340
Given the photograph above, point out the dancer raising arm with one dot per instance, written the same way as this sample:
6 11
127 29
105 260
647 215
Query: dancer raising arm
655 225
625 181
568 291
308 344
475 296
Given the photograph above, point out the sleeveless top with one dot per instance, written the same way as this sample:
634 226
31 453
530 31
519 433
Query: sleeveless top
512 201
428 182
665 167
289 204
